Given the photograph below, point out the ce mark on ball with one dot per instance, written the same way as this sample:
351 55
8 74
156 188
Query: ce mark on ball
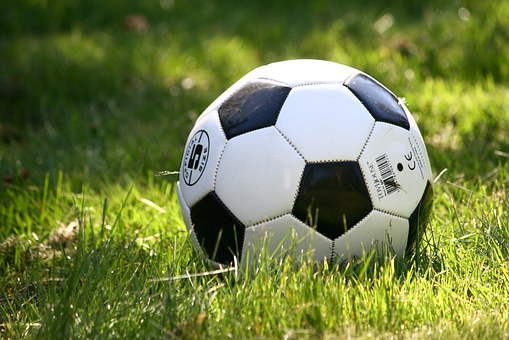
410 161
411 164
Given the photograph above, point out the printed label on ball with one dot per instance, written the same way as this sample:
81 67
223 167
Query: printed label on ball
196 157
383 176
415 158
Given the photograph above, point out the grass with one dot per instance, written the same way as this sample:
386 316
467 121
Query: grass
93 106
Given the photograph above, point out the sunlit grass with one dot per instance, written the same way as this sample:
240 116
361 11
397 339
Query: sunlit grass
92 243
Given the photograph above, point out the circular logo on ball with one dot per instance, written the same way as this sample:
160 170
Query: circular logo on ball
196 157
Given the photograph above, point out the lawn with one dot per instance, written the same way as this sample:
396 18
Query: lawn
97 99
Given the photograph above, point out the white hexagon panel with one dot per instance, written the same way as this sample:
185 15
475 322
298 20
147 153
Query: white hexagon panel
203 149
258 176
378 229
305 71
396 169
285 236
325 122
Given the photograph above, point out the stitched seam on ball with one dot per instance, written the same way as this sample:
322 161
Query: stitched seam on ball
248 82
201 197
331 82
267 220
366 142
337 160
231 95
226 208
391 213
218 121
296 193
371 194
291 144
216 169
353 75
354 227
278 82
332 252
241 241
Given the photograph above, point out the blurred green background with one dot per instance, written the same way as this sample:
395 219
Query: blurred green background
105 91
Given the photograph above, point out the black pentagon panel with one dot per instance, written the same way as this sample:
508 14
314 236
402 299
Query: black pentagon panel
381 103
219 233
333 197
254 106
420 218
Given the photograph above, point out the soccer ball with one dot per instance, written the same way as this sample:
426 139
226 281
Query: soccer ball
306 156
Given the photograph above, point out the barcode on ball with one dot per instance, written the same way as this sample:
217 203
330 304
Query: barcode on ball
387 174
